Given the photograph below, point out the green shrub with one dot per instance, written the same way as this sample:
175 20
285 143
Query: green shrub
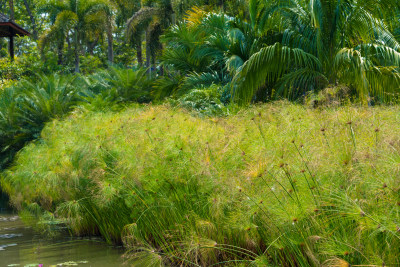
91 64
28 105
116 86
10 70
204 101
28 65
331 96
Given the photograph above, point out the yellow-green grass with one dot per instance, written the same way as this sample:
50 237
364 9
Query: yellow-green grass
275 185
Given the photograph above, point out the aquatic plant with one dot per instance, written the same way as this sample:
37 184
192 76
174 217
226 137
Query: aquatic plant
275 185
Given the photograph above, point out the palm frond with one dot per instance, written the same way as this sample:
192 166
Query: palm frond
269 65
140 19
205 79
298 83
357 68
65 21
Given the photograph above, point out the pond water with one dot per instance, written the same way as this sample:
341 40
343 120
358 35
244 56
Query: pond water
21 246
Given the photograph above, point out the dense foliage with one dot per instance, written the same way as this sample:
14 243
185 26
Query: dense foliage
276 185
268 50
26 106
273 185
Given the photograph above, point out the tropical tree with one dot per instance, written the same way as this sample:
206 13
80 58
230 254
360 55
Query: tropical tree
322 42
125 9
77 19
28 7
207 48
152 19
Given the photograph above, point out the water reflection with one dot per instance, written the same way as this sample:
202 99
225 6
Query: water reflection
21 246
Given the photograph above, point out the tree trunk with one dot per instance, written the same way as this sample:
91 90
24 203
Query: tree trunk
11 2
69 46
110 41
148 51
139 52
60 49
33 21
92 45
76 51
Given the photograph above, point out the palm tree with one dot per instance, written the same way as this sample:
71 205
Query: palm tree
77 17
125 10
207 48
151 19
322 42
59 31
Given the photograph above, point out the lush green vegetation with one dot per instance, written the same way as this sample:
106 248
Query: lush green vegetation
268 50
276 184
26 106
131 120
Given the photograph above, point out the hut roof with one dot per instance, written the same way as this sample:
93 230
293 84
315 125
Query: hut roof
9 28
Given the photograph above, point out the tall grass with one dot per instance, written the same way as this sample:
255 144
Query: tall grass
275 185
26 106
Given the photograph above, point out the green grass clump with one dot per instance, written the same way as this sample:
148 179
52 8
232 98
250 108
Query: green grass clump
275 185
27 105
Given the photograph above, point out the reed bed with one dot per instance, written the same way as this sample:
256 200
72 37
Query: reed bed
274 185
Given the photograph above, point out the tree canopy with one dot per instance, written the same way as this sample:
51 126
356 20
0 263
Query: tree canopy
256 50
